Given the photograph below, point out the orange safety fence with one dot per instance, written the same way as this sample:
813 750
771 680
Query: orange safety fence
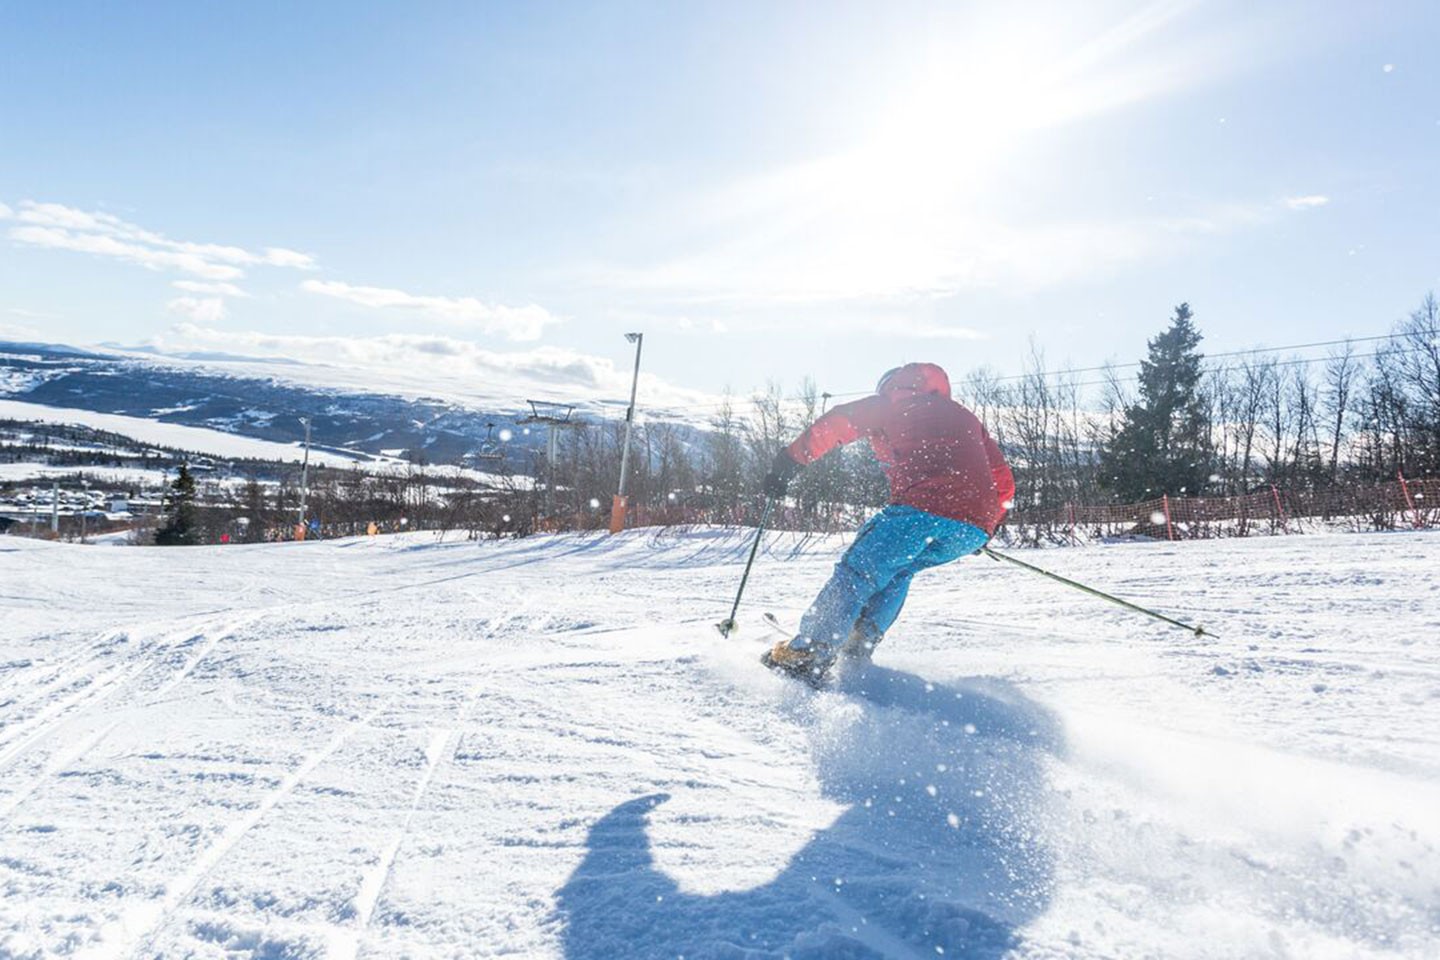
1270 509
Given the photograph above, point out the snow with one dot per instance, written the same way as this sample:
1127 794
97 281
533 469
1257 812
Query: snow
20 381
541 748
213 443
139 476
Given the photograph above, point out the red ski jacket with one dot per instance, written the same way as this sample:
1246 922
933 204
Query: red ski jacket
935 452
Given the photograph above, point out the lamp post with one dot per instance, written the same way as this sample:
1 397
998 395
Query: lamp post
617 508
304 480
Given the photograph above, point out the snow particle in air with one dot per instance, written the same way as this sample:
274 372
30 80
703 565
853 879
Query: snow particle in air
970 728
1157 518
953 820
1388 68
594 503
932 790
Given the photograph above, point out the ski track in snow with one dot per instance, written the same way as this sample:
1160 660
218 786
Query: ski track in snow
133 928
91 687
398 747
66 756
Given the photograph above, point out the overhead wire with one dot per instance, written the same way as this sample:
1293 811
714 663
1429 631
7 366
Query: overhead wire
1047 374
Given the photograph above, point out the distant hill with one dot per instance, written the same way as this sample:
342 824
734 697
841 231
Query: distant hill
199 392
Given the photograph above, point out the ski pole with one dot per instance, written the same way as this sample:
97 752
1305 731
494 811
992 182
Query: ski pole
727 626
997 555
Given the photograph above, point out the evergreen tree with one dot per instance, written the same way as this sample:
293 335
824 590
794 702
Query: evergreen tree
1162 444
180 527
255 511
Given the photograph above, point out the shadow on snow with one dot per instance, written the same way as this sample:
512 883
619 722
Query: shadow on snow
939 846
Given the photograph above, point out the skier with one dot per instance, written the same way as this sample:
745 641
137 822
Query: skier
949 489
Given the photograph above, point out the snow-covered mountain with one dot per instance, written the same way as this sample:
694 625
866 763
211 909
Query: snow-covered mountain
265 398
398 747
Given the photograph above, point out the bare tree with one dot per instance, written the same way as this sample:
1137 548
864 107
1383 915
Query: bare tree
1340 371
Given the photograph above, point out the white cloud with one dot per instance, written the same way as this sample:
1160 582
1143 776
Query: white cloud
22 331
56 226
5 212
516 323
1306 202
280 257
436 365
56 238
209 288
199 309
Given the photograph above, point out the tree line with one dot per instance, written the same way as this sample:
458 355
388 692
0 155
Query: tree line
1183 426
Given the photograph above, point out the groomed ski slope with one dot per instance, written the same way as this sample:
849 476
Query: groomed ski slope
398 747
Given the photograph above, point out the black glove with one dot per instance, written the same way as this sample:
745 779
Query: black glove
782 471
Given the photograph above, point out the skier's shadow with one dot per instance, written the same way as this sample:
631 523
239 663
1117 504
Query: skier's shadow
939 847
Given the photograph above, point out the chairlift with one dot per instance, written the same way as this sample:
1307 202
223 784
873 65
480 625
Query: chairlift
490 448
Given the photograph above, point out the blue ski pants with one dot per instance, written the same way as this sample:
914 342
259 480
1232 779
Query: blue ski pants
873 577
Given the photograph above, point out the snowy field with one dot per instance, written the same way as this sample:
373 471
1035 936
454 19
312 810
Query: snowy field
22 471
216 443
393 747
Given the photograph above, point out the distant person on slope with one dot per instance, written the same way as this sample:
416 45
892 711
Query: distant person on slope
949 490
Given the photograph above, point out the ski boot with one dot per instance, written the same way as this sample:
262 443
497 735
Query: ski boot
860 645
802 664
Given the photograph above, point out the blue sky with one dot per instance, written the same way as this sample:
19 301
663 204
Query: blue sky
768 190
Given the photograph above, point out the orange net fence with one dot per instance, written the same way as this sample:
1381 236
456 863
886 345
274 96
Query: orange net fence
1273 509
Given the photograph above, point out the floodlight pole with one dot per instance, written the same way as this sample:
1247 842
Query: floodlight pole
617 507
305 472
